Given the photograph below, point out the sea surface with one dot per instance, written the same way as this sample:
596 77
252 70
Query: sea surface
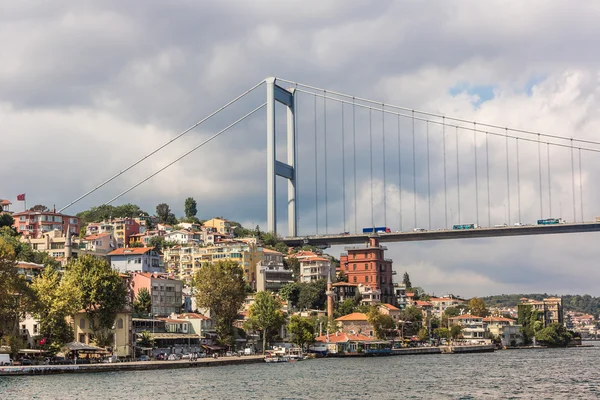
572 373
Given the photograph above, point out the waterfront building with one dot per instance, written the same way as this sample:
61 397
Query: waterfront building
340 342
200 325
33 224
271 274
440 304
355 323
121 332
550 310
472 326
135 259
165 293
29 330
504 328
367 265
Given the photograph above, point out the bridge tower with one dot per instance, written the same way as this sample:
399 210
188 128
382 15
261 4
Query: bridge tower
277 168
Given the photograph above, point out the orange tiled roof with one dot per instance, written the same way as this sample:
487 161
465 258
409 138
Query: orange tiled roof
95 236
270 251
421 303
130 250
410 294
344 284
466 316
356 316
498 319
390 307
193 316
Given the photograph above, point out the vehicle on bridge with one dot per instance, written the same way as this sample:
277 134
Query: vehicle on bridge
551 221
381 229
465 226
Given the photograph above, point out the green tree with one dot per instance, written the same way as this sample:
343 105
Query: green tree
164 214
157 242
477 307
423 334
145 339
406 281
191 208
290 292
555 335
39 208
10 284
442 333
265 316
293 264
55 301
348 306
143 302
312 295
100 292
6 220
221 287
455 331
383 325
302 331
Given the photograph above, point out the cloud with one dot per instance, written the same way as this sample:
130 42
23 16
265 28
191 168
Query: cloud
88 88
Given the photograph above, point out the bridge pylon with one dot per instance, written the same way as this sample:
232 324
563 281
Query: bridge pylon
276 93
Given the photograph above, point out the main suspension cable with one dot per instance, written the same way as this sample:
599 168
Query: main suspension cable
187 153
162 146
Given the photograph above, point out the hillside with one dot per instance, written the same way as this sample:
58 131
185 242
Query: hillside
585 304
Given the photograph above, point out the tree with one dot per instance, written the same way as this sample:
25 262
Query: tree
55 302
145 339
164 214
265 316
442 333
312 295
9 289
99 290
6 220
455 331
406 281
157 242
346 307
143 302
39 208
302 331
383 325
423 334
190 207
554 334
290 293
293 264
477 307
221 287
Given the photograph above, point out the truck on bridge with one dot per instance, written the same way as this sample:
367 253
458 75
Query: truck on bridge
551 221
381 229
465 226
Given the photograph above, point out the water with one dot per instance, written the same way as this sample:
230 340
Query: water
514 374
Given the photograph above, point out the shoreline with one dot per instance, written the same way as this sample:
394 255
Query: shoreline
35 370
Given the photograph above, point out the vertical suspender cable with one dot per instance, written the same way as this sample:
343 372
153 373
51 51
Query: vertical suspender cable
457 175
507 178
540 176
518 183
487 172
296 143
414 155
343 170
428 177
399 176
384 177
476 176
549 182
371 163
325 150
573 181
580 186
354 164
445 174
316 172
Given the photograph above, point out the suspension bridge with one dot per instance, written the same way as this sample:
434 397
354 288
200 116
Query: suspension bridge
356 167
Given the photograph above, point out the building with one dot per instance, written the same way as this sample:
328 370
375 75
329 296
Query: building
5 206
166 293
550 310
57 244
200 325
33 224
366 265
121 228
355 323
344 291
29 330
220 225
400 294
392 311
472 327
29 270
135 259
505 329
312 266
440 304
183 237
340 343
122 333
100 244
271 274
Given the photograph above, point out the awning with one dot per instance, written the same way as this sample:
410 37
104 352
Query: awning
78 346
31 351
175 336
213 348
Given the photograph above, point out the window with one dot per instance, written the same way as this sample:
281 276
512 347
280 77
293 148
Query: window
82 338
354 255
355 279
138 260
366 266
35 329
120 323
22 218
82 323
366 279
22 227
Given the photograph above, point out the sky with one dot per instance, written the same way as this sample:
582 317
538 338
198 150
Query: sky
87 88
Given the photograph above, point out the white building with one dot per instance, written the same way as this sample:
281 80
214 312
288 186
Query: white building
183 237
135 259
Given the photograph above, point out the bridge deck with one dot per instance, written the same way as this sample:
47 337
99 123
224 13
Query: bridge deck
342 239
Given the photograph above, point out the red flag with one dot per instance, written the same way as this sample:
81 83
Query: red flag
42 341
21 197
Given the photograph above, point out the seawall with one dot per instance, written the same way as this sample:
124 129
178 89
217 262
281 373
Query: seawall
126 366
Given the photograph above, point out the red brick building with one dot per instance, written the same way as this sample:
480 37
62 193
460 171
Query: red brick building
366 266
34 224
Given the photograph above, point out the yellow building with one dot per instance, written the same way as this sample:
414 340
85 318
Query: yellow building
220 225
122 333
184 261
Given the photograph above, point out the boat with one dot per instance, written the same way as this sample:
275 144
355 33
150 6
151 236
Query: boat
277 355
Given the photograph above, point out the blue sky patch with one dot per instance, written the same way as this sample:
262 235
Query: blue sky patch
483 92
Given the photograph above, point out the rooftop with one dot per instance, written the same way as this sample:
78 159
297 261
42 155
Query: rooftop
341 337
356 316
130 250
390 307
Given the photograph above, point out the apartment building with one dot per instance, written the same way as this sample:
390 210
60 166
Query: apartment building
135 259
312 266
165 292
220 225
271 274
549 309
121 228
33 224
367 265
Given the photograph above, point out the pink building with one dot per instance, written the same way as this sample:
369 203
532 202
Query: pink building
165 292
34 224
